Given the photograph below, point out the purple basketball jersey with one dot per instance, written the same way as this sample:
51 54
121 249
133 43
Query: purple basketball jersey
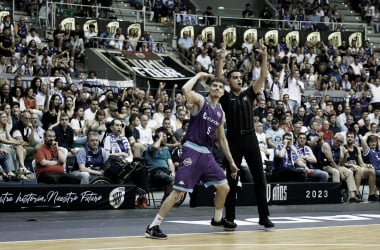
203 125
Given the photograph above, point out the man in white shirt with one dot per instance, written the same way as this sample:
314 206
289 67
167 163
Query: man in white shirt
295 89
204 61
90 37
33 36
357 66
89 113
146 134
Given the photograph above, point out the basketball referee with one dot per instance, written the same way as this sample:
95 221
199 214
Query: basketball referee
242 140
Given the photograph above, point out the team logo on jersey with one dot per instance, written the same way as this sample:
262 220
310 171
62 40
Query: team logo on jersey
116 197
245 98
187 161
219 114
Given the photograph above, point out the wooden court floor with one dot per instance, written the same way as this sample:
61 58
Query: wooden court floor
361 237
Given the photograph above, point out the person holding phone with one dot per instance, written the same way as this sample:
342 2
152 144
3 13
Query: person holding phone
287 165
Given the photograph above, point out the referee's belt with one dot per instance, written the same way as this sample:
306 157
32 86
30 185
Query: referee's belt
243 131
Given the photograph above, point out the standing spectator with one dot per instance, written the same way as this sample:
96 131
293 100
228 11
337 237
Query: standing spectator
295 88
209 16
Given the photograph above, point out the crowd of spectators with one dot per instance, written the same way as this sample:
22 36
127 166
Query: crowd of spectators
283 109
311 16
369 11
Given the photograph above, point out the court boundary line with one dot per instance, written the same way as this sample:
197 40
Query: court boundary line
188 234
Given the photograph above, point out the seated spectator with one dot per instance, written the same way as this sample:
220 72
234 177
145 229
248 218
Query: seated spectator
327 133
203 62
7 48
50 162
21 28
23 132
33 35
287 166
7 23
354 161
305 153
90 37
65 134
120 154
371 152
267 154
160 165
99 124
274 134
59 37
331 159
77 47
171 140
38 131
90 159
79 127
185 43
133 135
9 149
50 112
146 133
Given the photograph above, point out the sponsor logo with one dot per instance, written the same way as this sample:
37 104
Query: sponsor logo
116 197
187 161
210 119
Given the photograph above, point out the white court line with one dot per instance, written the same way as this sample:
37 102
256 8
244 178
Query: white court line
240 245
211 233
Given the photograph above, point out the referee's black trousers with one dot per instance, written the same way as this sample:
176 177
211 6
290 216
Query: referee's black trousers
246 145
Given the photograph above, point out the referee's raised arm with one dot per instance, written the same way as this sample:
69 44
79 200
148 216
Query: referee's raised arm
259 83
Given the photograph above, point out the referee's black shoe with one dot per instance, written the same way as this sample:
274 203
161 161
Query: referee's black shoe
228 225
266 222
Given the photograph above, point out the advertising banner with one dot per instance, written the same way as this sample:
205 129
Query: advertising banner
66 197
289 193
